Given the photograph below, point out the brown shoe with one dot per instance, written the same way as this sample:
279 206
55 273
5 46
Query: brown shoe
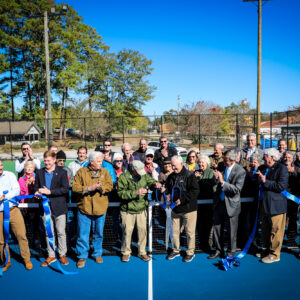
125 258
144 257
28 265
63 260
8 265
48 261
81 263
99 260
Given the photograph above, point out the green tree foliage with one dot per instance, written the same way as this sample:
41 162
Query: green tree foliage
81 65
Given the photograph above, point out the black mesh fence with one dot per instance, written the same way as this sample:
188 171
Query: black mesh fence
185 130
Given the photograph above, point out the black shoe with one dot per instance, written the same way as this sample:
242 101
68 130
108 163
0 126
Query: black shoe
215 255
292 245
172 255
262 253
188 258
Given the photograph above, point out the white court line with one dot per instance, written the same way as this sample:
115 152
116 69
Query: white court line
150 270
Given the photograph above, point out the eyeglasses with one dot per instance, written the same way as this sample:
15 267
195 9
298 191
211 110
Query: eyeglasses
107 145
117 161
150 155
25 149
163 141
61 160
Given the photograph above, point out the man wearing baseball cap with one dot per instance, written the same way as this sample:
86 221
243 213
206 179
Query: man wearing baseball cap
150 167
132 190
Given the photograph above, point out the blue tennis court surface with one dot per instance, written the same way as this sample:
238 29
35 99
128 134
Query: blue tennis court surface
113 280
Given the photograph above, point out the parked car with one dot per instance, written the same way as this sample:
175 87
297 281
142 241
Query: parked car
156 145
72 131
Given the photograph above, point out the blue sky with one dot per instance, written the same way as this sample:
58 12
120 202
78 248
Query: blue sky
206 50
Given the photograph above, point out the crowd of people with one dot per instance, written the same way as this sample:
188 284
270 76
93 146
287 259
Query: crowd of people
94 179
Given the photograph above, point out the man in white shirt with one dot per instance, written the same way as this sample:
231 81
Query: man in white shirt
27 155
227 203
80 162
9 183
251 147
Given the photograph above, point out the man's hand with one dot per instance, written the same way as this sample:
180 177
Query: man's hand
218 175
44 191
158 185
261 177
2 197
178 202
151 169
98 186
162 189
197 174
92 188
141 191
30 154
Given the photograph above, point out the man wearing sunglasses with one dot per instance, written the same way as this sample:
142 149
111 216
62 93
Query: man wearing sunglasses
108 154
164 152
27 155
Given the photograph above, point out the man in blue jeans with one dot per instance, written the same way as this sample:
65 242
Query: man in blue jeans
92 184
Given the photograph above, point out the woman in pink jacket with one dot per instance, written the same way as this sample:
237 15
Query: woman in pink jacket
31 215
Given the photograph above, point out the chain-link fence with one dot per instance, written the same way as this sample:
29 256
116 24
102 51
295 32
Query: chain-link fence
190 130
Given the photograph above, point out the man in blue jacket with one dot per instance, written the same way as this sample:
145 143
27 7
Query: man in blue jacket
52 181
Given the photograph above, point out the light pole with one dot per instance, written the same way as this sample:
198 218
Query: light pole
259 5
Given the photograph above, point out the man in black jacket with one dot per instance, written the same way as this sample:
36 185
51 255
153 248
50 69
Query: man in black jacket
186 207
274 181
52 181
164 152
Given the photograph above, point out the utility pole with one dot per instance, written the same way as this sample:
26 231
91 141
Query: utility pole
258 96
48 88
178 110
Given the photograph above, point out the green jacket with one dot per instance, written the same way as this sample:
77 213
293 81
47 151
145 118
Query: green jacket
127 187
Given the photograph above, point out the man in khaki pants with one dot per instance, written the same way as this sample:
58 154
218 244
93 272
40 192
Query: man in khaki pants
8 182
186 207
275 205
132 189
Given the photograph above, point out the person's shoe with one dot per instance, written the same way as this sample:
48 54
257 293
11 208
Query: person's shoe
81 263
172 255
28 265
144 257
125 258
230 254
214 255
188 258
48 261
99 260
63 260
8 265
292 245
262 254
270 259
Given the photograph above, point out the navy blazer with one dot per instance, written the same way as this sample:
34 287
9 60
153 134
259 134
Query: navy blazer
276 181
59 189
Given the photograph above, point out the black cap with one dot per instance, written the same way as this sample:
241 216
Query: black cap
61 155
167 160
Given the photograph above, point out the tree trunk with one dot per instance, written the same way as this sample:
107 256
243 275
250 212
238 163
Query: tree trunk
62 113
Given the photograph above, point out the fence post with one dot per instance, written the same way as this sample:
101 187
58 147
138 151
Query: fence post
84 131
287 130
199 132
254 122
271 129
11 154
237 130
161 126
123 133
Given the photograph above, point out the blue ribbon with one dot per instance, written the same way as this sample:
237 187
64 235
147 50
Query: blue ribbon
45 202
291 197
230 262
6 213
